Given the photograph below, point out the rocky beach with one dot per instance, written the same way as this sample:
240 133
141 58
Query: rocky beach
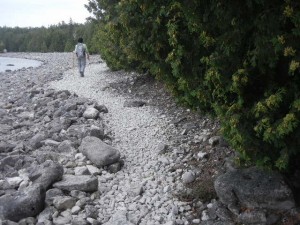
114 148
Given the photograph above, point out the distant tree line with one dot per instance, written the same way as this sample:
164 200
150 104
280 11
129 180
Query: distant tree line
55 38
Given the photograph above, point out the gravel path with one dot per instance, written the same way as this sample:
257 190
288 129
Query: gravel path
139 134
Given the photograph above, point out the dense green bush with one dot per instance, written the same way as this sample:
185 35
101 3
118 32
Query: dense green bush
238 60
256 66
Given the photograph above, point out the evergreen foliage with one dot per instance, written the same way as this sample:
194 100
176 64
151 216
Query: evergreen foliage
2 47
238 60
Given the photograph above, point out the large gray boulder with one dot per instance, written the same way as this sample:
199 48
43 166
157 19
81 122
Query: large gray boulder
255 189
98 152
22 204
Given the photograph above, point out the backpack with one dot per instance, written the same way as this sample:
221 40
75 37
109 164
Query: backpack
80 50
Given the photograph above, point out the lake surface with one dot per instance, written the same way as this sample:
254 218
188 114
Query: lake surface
7 63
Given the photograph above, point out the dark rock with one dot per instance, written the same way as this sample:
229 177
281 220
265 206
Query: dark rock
91 211
36 141
217 140
70 106
134 103
162 148
97 132
273 219
254 188
116 167
80 110
64 94
101 108
22 204
98 152
179 120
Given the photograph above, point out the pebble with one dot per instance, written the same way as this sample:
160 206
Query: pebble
188 177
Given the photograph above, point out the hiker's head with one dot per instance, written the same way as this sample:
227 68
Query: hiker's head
80 40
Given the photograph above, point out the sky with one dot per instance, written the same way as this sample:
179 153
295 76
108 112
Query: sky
37 13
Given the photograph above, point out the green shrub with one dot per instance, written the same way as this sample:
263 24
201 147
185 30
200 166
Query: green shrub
238 60
258 80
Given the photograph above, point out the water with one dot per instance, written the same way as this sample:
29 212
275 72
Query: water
7 63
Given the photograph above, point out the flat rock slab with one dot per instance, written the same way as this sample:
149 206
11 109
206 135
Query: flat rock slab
98 152
85 183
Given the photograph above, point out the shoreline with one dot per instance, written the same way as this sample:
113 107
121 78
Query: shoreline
8 64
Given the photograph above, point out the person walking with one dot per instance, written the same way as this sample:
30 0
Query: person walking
82 54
